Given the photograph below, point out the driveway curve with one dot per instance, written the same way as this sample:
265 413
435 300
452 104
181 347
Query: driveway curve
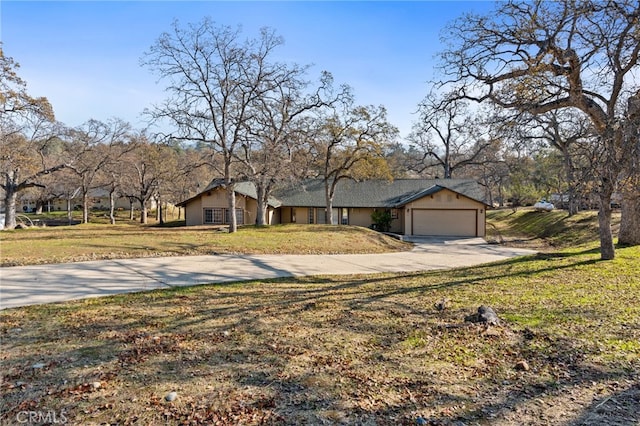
30 285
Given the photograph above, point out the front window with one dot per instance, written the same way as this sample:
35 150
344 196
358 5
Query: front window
345 216
213 216
239 216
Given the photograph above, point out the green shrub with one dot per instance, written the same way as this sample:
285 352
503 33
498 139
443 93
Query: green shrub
381 220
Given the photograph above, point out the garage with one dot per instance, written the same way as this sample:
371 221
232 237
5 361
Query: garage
444 222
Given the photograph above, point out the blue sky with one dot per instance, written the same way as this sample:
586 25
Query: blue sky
84 55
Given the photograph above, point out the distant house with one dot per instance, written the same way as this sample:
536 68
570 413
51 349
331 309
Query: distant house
446 207
98 200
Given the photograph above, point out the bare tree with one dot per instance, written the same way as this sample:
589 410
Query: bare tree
571 134
112 175
492 171
213 80
27 130
96 145
447 135
350 145
277 130
149 169
193 170
539 56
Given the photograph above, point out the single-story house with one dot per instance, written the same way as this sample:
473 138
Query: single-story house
447 207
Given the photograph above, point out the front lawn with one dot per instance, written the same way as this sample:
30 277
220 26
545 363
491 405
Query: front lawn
100 241
343 350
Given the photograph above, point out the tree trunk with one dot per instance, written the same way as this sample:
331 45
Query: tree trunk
231 198
607 249
630 220
630 225
447 169
112 208
131 214
158 208
143 212
160 211
261 216
85 208
70 210
328 213
10 200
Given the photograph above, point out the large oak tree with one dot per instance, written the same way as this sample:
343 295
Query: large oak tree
27 131
349 144
539 56
214 77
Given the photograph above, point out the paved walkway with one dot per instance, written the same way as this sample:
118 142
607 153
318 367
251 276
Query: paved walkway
29 285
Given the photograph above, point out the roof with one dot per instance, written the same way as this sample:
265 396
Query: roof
243 188
376 193
349 193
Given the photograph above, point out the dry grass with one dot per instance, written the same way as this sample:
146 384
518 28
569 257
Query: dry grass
342 350
99 241
544 230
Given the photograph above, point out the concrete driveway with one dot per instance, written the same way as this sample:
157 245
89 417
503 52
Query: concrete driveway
29 285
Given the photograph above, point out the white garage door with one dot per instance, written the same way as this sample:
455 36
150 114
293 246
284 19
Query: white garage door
460 223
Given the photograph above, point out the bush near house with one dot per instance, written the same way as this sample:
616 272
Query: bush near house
381 220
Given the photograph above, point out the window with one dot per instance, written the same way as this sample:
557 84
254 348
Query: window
394 213
311 215
321 216
217 216
344 217
239 216
213 216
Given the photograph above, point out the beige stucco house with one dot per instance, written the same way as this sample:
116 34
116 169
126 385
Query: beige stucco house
445 207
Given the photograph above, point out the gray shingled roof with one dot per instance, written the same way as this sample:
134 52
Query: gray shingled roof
243 188
375 193
349 193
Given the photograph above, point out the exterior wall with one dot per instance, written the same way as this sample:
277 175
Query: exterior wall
446 200
285 215
356 216
397 221
301 215
360 217
298 215
274 216
193 213
216 198
250 210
